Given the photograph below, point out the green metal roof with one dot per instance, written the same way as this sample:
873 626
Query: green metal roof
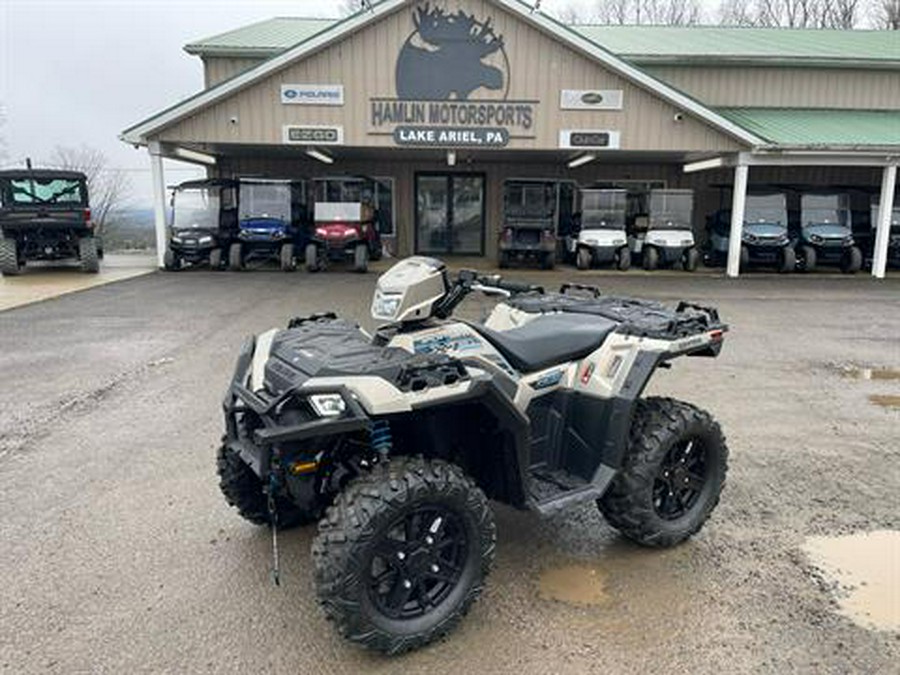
812 128
262 39
641 44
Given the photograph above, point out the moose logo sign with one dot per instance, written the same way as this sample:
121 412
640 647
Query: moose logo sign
452 80
446 57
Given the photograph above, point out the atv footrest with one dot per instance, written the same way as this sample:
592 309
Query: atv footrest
552 490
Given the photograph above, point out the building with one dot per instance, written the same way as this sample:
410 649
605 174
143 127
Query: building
445 101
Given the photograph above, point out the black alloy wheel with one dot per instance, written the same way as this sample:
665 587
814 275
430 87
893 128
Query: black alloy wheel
680 480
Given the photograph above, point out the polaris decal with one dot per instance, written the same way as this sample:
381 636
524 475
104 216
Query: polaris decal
446 343
548 380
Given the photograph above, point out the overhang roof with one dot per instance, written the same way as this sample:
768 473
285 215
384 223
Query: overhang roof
139 133
639 44
818 128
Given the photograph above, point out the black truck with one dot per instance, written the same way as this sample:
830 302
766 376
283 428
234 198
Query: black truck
45 215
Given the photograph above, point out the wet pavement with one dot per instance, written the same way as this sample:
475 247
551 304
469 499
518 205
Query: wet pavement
119 554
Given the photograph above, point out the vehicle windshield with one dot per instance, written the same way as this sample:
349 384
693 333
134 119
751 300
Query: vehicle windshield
196 208
603 209
825 210
895 218
769 209
671 210
265 200
46 191
535 201
337 190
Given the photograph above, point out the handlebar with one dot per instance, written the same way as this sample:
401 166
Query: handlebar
469 280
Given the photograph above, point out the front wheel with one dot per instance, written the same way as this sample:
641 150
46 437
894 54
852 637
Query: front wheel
672 475
288 262
403 553
584 258
9 257
808 256
691 260
361 258
787 261
312 258
852 260
87 252
215 259
623 261
548 261
170 261
651 258
235 257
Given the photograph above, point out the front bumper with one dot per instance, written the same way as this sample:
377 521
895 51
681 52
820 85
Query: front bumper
604 254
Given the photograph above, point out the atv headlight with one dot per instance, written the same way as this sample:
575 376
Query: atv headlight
385 306
815 238
205 240
176 240
619 242
328 405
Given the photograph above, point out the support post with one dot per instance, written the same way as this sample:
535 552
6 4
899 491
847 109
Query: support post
159 201
738 203
885 212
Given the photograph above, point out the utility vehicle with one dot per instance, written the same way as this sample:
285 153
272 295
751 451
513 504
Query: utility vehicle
45 215
765 240
346 223
826 237
669 238
529 223
397 440
602 238
273 222
204 223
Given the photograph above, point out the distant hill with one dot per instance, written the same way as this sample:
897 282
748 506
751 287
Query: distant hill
129 229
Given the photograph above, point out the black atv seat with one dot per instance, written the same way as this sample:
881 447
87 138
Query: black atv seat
549 339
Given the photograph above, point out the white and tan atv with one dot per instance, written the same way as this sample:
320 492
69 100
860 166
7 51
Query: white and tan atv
397 441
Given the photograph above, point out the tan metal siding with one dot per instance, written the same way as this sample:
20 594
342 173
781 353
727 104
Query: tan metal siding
216 69
786 87
364 63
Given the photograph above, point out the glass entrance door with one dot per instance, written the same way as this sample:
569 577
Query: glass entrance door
450 213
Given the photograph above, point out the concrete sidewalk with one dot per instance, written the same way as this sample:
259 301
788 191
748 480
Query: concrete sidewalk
42 281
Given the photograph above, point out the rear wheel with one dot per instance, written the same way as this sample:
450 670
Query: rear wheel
9 257
548 261
87 252
215 259
361 258
851 262
787 260
584 258
623 261
235 257
403 553
244 490
808 256
651 258
674 471
312 258
691 259
288 262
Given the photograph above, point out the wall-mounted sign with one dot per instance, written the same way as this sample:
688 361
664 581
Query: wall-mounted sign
453 137
590 99
313 135
589 139
312 94
452 79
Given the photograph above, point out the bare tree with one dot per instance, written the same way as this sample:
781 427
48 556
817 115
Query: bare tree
844 14
108 187
886 14
570 14
614 12
650 12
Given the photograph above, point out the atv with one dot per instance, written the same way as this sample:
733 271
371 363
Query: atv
204 221
45 215
669 237
826 236
529 221
396 441
601 237
765 239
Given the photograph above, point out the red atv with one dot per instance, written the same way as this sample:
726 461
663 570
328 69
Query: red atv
346 224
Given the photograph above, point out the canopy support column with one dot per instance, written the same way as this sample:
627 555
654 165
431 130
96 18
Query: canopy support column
738 204
885 213
158 177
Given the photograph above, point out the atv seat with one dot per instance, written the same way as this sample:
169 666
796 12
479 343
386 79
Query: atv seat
549 339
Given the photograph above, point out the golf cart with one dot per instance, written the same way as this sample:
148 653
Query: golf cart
602 238
45 215
765 240
273 223
395 441
893 256
204 222
346 223
529 221
826 237
669 237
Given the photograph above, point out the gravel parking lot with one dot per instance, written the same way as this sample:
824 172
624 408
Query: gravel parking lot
118 554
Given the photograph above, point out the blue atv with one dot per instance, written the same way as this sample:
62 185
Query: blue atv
765 241
826 237
273 224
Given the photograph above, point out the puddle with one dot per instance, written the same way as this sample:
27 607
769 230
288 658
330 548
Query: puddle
865 567
582 585
857 373
885 400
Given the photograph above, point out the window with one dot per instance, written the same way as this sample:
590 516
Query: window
46 191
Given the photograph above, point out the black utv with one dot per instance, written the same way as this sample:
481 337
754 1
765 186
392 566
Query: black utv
46 215
204 223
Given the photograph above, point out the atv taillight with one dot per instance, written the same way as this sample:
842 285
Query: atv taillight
716 335
87 217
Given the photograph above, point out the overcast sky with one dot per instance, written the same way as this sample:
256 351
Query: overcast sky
76 72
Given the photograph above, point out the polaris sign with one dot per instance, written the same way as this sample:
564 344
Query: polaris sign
312 94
